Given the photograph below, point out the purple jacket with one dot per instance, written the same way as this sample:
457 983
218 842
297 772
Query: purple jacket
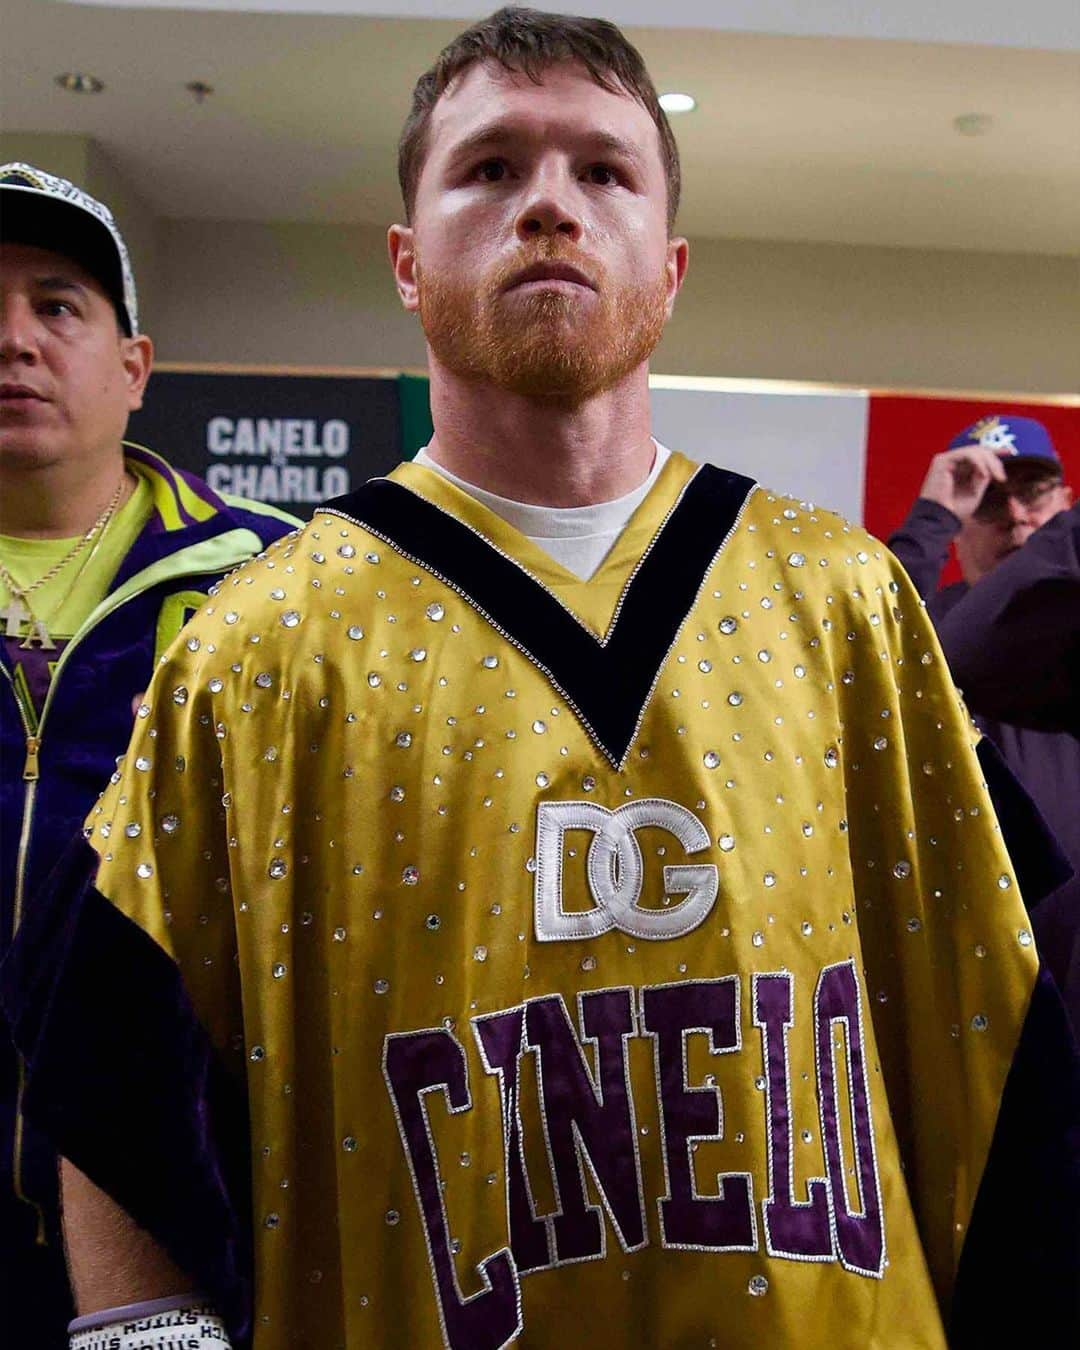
1013 645
1014 639
52 769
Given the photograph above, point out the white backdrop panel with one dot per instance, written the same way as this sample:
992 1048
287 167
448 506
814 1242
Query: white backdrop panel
809 445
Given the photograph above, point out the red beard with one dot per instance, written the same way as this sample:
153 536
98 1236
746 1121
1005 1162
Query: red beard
544 345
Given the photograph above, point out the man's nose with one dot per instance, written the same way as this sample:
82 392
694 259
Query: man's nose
549 209
18 330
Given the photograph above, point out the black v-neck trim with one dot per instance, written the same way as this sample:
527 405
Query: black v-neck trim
607 681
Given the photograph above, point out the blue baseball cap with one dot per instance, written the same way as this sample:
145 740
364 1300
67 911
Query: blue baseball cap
1012 437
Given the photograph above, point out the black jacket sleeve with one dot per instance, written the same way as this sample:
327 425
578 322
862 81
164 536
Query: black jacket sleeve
1013 641
922 543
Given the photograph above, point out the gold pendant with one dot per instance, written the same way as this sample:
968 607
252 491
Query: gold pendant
14 616
38 636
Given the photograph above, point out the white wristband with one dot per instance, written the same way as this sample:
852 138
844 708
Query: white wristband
163 1324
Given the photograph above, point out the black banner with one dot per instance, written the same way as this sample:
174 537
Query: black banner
294 440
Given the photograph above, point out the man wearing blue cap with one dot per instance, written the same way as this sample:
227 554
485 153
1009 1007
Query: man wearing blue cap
997 484
993 487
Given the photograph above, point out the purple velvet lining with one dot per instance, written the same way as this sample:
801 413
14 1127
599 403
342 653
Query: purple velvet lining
1019 1275
100 1013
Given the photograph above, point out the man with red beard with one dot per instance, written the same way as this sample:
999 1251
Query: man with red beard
555 896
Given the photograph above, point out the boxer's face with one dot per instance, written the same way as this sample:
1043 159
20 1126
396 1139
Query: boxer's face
539 256
68 375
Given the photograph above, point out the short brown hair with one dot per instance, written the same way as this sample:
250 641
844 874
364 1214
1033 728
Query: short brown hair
529 42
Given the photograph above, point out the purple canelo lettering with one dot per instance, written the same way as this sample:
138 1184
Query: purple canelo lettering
671 1013
860 1235
416 1064
589 1120
797 1229
500 1040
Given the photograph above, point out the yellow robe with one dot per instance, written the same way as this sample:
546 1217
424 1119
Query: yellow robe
720 1012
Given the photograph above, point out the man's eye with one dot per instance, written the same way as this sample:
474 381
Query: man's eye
56 308
602 175
491 171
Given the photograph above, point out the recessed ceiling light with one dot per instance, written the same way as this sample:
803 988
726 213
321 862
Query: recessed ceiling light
973 124
678 103
76 82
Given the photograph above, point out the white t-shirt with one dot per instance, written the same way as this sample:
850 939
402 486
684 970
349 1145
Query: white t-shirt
579 538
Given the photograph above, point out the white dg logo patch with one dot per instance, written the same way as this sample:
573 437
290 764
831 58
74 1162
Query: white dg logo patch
615 871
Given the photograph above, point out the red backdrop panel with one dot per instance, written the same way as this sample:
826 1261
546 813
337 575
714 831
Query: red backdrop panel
905 431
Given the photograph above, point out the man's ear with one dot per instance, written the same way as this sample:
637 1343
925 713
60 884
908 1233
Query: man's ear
401 244
678 258
137 355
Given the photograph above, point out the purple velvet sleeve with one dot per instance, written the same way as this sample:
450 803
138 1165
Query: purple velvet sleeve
123 1080
1019 1274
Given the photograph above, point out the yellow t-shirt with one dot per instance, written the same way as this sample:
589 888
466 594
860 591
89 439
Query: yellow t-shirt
66 601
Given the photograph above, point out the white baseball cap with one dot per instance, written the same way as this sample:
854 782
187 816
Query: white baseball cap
48 212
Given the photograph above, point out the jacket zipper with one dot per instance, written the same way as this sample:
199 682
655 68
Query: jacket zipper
31 776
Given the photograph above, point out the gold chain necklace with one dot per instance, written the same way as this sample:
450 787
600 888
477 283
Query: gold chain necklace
20 610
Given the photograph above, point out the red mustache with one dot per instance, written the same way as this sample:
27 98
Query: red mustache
549 260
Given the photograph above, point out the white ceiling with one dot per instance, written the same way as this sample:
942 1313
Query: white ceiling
1052 24
825 139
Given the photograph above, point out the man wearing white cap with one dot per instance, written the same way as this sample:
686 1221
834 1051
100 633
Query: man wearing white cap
105 550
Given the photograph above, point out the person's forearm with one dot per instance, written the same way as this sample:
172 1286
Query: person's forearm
112 1262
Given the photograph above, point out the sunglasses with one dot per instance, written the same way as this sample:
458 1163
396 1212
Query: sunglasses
995 503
